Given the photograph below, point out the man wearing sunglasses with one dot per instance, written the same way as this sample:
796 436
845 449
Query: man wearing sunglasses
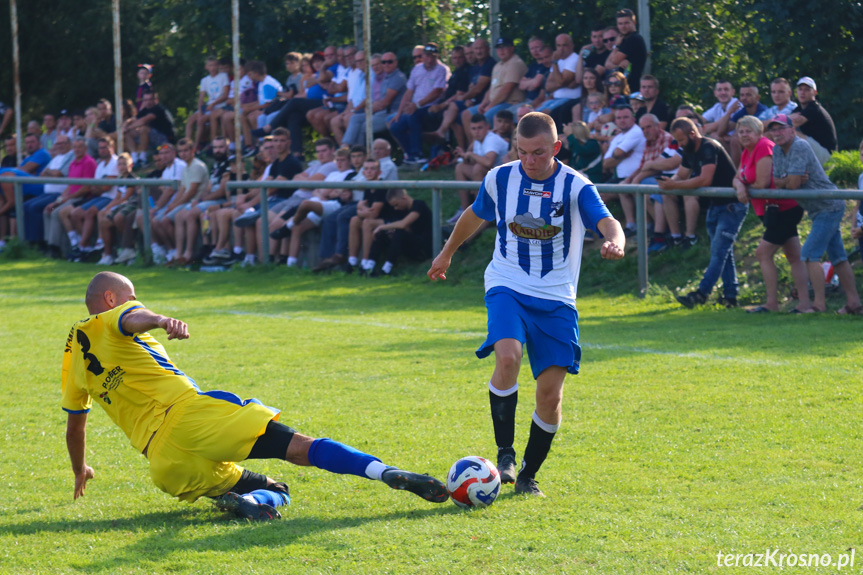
631 47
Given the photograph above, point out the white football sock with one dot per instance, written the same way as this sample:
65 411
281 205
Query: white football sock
387 267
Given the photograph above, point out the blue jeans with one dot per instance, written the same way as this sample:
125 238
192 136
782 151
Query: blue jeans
491 112
335 230
408 131
34 227
723 225
825 236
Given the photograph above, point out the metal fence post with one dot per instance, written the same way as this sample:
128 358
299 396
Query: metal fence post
437 239
641 237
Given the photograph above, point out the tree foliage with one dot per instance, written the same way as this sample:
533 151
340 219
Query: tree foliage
67 53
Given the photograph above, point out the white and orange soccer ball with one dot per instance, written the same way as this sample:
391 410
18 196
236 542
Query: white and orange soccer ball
473 482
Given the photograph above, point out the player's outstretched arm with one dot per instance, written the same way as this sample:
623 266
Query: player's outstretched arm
467 224
141 319
76 444
615 241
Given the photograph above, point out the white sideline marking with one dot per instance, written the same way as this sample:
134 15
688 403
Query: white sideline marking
477 334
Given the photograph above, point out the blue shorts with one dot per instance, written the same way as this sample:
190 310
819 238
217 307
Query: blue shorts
825 235
548 328
98 202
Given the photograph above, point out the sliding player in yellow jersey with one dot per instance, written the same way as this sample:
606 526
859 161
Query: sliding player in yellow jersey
191 438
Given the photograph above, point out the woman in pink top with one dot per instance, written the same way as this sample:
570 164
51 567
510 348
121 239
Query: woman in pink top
780 217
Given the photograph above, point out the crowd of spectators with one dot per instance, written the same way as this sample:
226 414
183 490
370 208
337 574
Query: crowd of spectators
462 106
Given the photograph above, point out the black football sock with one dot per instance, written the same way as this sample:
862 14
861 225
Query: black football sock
538 445
503 403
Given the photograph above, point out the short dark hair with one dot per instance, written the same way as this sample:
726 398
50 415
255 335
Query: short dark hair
282 132
395 193
534 124
599 26
781 80
226 61
256 67
505 115
328 142
749 85
685 125
653 79
625 13
356 148
478 118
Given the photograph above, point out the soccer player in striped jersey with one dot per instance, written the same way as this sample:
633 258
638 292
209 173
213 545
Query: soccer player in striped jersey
541 210
191 438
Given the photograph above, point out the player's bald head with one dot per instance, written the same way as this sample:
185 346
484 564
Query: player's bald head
98 299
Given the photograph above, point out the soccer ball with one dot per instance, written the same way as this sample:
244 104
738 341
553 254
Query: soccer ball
473 482
609 130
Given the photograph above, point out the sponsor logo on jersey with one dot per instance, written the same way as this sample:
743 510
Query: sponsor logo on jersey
536 193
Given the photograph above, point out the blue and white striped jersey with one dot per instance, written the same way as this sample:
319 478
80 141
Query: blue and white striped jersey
540 229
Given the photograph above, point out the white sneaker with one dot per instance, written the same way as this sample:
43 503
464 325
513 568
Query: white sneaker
125 255
99 244
158 254
106 261
455 216
171 255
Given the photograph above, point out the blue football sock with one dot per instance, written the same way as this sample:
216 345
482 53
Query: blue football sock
271 498
337 457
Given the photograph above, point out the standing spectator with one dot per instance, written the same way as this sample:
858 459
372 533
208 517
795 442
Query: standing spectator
795 166
748 105
723 108
488 150
780 93
780 217
706 164
504 91
49 135
813 121
630 48
145 86
406 232
424 88
563 85
212 96
595 54
7 114
623 158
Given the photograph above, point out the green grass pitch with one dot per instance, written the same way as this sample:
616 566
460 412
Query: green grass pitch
687 434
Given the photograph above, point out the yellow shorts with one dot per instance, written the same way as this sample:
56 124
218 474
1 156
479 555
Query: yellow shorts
193 453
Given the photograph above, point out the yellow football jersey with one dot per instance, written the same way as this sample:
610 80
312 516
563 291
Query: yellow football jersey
129 375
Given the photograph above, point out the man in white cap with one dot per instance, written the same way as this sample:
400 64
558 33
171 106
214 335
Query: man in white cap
813 122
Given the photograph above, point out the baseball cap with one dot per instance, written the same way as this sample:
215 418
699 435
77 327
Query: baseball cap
808 81
636 96
147 67
63 113
431 48
503 42
780 119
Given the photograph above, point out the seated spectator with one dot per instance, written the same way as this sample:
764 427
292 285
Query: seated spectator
706 164
33 163
325 202
653 104
58 167
591 88
780 93
212 96
563 85
248 99
7 113
595 108
504 91
424 88
64 126
623 159
356 95
381 151
268 90
116 219
487 151
504 125
661 158
456 87
194 196
795 166
533 82
173 167
388 87
780 217
107 126
215 195
630 48
688 112
595 54
336 86
10 152
337 237
49 131
616 95
151 128
723 108
293 114
82 166
405 232
81 221
585 153
292 88
477 56
813 122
